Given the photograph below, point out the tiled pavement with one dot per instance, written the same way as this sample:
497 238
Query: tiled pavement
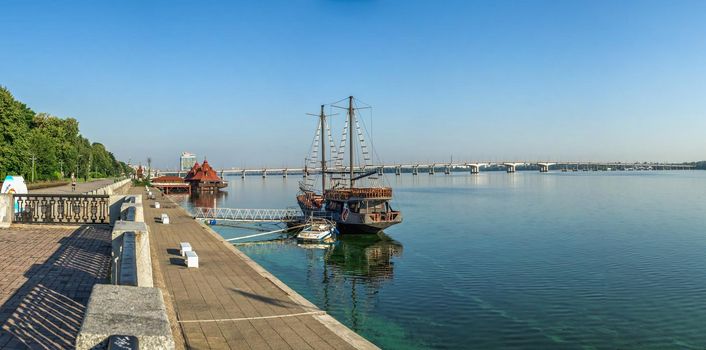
226 303
46 277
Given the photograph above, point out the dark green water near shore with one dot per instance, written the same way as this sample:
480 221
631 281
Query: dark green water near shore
509 261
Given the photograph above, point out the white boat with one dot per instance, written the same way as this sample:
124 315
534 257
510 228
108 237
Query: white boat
318 230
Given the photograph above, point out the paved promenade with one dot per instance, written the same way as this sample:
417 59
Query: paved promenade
46 277
81 187
229 302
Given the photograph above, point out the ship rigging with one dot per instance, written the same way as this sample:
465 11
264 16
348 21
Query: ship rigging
355 197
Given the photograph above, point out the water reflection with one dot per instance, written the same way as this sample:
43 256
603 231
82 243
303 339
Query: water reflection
343 278
353 271
364 256
207 200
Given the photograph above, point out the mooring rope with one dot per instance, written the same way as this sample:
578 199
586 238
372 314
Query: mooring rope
263 233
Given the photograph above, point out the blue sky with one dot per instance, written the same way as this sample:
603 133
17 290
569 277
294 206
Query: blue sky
488 80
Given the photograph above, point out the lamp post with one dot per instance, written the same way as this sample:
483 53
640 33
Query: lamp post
78 161
34 158
88 168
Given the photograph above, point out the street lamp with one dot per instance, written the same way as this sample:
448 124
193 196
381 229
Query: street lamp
34 158
78 161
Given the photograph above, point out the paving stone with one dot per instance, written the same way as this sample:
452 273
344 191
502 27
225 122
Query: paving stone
46 270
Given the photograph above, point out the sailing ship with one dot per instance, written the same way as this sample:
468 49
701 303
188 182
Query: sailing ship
354 197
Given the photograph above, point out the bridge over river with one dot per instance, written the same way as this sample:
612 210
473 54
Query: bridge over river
448 167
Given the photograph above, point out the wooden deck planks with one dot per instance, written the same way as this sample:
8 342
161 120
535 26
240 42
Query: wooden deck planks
224 288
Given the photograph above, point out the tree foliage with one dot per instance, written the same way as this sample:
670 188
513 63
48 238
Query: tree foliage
54 143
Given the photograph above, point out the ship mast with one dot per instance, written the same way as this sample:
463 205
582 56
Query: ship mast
322 117
350 136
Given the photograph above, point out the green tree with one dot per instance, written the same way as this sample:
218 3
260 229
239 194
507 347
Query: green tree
54 143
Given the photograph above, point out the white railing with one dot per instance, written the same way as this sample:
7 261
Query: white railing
247 215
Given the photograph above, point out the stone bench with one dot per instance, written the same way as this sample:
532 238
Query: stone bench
135 214
127 270
127 311
142 251
137 199
128 213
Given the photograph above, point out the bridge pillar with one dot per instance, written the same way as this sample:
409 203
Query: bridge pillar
284 173
510 167
264 173
380 171
475 168
398 170
447 170
242 175
431 169
544 167
415 170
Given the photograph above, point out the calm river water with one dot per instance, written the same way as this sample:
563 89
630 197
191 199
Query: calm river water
509 261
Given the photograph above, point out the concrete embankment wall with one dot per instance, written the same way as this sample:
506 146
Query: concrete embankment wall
118 187
130 307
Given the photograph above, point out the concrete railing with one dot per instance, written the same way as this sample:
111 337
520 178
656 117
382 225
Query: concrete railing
130 307
118 187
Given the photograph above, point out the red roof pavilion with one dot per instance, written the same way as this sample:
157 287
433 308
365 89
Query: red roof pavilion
192 172
205 173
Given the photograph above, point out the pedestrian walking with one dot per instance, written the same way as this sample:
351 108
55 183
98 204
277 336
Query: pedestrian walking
73 182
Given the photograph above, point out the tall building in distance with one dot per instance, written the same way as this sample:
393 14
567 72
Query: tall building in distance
186 161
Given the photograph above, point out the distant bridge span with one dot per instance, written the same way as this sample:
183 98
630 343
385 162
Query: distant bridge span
472 167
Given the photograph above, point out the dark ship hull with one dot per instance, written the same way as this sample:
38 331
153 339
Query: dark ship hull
346 228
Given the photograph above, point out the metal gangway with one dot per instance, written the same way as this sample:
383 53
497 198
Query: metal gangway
248 215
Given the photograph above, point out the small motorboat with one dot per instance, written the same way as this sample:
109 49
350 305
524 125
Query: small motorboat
318 230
